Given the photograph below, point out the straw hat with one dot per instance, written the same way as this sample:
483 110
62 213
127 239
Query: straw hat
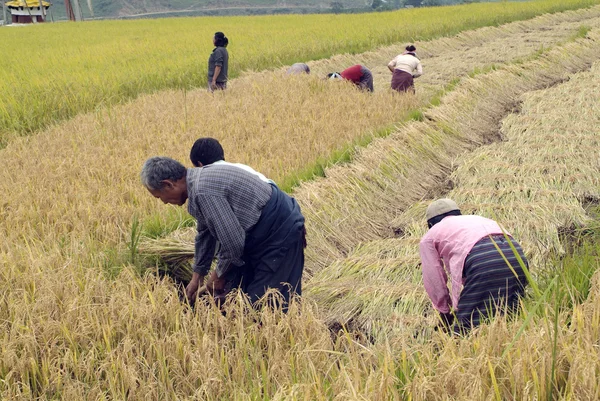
439 207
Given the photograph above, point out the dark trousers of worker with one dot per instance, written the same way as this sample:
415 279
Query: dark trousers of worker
402 81
274 251
366 81
491 285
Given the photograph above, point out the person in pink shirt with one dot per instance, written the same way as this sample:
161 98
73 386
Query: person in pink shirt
475 255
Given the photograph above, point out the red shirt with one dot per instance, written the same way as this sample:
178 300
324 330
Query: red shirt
353 73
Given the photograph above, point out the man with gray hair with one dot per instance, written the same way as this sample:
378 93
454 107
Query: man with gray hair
259 227
484 263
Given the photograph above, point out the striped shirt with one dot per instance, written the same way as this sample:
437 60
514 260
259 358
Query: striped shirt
227 202
443 252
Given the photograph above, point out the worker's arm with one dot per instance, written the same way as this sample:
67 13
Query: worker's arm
227 229
219 60
434 276
213 84
392 65
204 250
419 71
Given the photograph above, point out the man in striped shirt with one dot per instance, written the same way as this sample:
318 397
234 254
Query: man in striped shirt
486 273
260 228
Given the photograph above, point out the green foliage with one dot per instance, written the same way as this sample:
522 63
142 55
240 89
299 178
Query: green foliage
581 32
164 223
134 239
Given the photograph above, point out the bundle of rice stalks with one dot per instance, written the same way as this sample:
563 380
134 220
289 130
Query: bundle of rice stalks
173 253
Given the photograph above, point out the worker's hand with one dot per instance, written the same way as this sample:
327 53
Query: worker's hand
213 86
214 283
192 287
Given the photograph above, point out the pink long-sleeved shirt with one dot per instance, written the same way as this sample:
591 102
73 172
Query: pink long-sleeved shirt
443 251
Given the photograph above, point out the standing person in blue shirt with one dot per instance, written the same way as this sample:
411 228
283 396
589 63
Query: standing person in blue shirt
218 63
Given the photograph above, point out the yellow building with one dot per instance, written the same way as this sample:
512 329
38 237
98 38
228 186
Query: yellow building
28 11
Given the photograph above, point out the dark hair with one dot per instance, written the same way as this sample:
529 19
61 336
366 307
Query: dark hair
221 40
411 48
434 220
206 151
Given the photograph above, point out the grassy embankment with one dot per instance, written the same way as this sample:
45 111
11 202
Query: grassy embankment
85 66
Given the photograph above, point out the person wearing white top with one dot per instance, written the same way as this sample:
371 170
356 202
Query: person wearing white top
207 151
405 67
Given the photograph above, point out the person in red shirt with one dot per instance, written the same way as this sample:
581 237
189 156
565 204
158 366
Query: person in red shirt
359 75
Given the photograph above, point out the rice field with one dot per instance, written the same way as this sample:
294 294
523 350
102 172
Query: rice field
80 322
366 216
53 72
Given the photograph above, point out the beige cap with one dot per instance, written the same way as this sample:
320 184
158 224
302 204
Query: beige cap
439 207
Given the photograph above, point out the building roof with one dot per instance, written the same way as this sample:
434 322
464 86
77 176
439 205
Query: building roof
27 3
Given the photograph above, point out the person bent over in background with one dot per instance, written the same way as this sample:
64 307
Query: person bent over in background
405 67
260 228
297 69
485 273
358 74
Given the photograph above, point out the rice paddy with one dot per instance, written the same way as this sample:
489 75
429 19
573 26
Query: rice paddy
511 136
86 66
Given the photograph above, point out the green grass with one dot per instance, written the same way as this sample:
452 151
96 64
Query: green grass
582 32
567 283
68 69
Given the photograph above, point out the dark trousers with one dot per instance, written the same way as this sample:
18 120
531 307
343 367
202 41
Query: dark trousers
402 81
283 273
274 251
366 81
490 285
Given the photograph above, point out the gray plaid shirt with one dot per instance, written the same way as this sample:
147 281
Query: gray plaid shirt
227 202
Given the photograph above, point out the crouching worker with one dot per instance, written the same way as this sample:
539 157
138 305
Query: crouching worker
485 273
260 228
298 68
358 74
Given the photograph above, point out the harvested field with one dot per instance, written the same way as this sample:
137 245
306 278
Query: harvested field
381 193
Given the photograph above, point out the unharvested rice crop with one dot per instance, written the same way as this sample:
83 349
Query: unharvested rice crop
88 65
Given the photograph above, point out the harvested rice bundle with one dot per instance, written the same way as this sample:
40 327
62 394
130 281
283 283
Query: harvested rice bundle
174 253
